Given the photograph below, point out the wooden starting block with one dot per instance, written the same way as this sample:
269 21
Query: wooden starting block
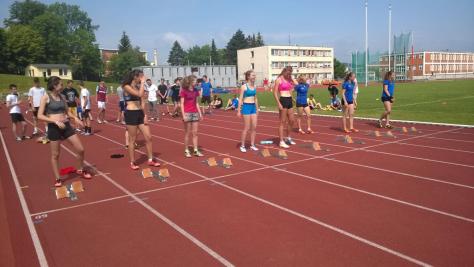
147 173
389 134
282 154
62 192
404 129
226 163
377 133
315 146
265 153
211 162
164 173
348 139
77 187
413 129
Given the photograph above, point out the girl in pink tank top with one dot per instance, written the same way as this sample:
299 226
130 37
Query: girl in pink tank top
282 93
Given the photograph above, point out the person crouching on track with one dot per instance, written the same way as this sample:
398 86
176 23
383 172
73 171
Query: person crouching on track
282 93
191 113
302 104
248 108
54 110
135 118
348 103
387 99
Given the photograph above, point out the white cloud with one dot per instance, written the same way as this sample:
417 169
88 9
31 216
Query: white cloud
183 39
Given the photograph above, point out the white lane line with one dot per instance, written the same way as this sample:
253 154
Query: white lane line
338 185
418 158
176 227
440 148
325 156
26 212
300 215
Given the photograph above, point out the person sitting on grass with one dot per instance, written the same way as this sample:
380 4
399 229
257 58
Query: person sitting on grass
313 104
335 103
216 102
232 103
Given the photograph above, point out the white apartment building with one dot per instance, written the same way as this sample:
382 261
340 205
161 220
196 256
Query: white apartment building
316 63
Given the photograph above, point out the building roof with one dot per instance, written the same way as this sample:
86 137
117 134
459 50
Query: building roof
40 65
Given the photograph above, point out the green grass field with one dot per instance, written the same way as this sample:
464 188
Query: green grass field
433 101
25 83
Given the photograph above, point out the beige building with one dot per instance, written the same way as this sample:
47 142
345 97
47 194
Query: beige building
316 63
63 71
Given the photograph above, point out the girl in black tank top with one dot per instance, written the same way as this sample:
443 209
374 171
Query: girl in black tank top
135 118
53 111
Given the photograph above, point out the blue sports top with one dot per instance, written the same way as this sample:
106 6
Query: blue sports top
206 88
349 90
391 87
302 93
249 92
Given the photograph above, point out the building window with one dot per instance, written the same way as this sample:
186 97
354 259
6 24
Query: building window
420 67
60 72
252 54
49 72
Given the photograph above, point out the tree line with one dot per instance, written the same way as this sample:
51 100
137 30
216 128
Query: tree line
210 54
57 33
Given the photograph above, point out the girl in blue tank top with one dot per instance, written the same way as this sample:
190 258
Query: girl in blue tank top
387 99
248 108
302 89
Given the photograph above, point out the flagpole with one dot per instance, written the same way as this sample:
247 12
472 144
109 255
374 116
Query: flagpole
366 47
389 33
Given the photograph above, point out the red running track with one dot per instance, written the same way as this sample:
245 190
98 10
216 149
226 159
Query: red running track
381 201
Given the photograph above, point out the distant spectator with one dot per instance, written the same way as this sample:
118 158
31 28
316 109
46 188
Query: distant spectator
232 103
313 104
216 102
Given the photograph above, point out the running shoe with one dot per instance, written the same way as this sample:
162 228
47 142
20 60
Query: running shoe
346 131
35 131
153 163
309 131
380 123
133 166
197 153
354 130
85 174
99 121
18 139
301 131
290 141
58 183
26 137
243 149
284 145
187 153
254 148
388 126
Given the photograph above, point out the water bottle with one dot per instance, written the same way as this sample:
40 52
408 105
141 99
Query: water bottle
266 142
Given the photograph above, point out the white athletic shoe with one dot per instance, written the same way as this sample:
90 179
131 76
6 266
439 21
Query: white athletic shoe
290 141
35 131
243 149
254 148
284 145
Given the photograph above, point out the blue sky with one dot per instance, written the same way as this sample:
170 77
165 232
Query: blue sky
437 24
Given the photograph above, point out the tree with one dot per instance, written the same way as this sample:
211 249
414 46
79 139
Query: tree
339 69
24 46
177 55
214 54
198 55
238 41
74 17
123 62
124 44
24 12
259 40
3 51
54 31
86 62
